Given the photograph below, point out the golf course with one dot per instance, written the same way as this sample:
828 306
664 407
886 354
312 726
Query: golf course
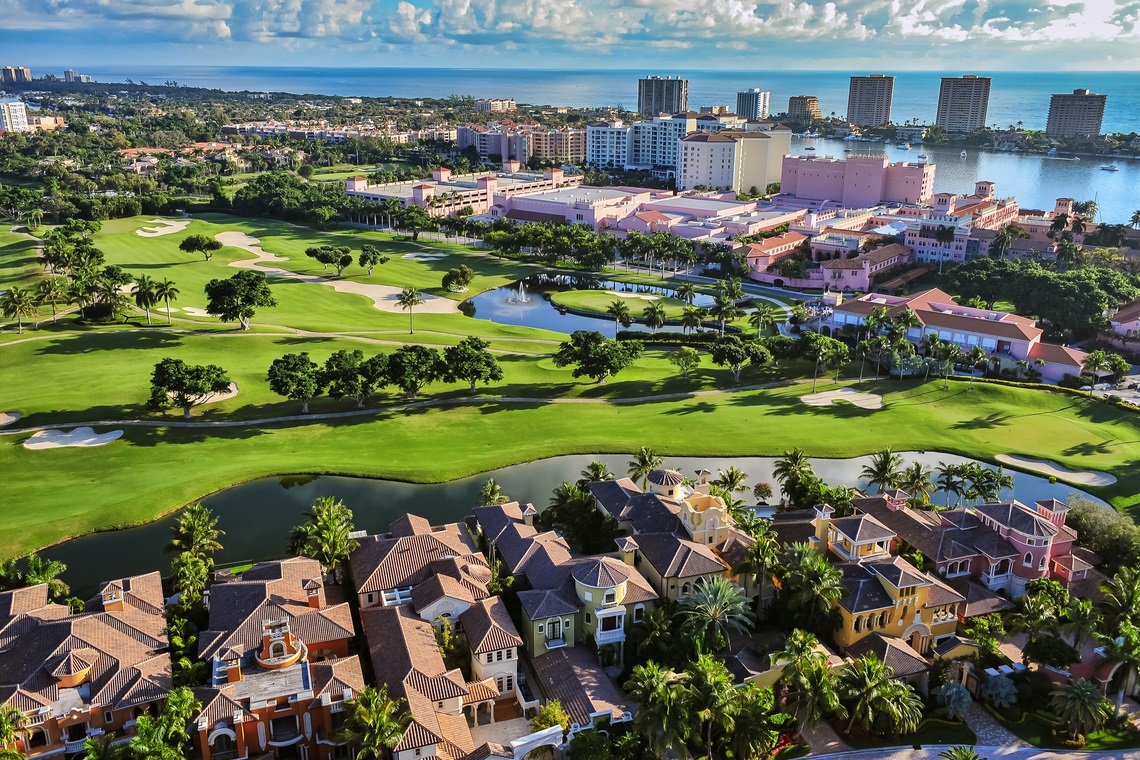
65 375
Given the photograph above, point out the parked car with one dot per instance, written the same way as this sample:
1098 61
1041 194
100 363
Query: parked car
1086 387
1102 387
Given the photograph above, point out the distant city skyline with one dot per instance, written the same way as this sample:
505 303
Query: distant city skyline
589 34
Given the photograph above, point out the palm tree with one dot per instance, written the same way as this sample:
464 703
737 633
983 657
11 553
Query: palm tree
1034 614
950 480
687 292
408 299
196 532
661 715
1081 617
692 317
801 651
864 682
960 753
754 733
976 357
1135 220
810 585
709 695
645 461
813 695
1121 599
12 722
166 291
47 571
792 467
375 723
732 479
594 472
53 291
18 303
143 292
883 471
1123 651
324 536
916 480
654 316
104 747
1096 364
491 494
724 309
619 310
1080 706
762 557
717 606
765 317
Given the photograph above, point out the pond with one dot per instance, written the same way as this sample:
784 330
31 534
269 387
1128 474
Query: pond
527 303
258 516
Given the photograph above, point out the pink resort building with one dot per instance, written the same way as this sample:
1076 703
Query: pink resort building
857 182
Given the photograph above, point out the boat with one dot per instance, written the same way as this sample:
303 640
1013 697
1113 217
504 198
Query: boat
1110 168
904 146
811 148
962 154
846 150
922 156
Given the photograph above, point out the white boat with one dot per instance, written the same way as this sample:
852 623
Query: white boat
962 154
1110 168
922 156
904 146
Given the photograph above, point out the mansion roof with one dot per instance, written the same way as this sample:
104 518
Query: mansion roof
893 651
404 556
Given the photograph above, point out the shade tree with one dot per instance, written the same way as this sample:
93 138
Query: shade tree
176 383
202 244
410 368
238 298
347 374
471 361
296 377
595 356
370 257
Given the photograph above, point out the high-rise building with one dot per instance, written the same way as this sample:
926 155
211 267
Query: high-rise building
869 100
1078 114
753 104
732 159
962 103
494 104
657 96
15 75
804 107
13 116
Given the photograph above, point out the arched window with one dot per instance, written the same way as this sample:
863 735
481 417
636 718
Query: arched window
638 613
277 649
1028 561
858 624
1041 563
222 743
686 588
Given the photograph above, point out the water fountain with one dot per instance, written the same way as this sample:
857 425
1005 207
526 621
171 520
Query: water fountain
520 295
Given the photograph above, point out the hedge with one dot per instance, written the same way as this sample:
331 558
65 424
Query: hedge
703 338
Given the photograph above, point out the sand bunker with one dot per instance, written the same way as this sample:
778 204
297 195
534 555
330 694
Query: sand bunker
194 311
59 439
384 297
166 227
1050 468
426 256
7 418
642 296
850 395
215 398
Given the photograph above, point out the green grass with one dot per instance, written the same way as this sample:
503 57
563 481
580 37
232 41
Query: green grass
1039 732
930 732
597 301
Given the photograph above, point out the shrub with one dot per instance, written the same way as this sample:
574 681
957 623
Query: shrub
999 691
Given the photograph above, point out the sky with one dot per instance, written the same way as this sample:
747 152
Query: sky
1010 35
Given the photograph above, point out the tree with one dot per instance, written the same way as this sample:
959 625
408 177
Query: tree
809 585
370 257
762 557
453 648
195 531
999 691
165 291
1080 619
491 494
45 571
410 368
1080 706
685 359
960 753
1121 599
200 244
375 723
416 220
732 479
595 472
792 471
458 279
710 697
654 316
176 383
104 747
595 356
865 682
661 715
296 377
164 737
12 723
472 362
18 303
189 576
549 715
687 292
765 317
619 310
51 291
144 294
408 299
916 480
717 607
691 318
645 461
239 297
1123 652
955 698
986 631
883 471
814 694
324 536
347 374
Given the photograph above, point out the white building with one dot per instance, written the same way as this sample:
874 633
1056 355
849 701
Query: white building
494 104
607 144
13 116
733 159
753 104
869 100
1079 114
962 103
654 142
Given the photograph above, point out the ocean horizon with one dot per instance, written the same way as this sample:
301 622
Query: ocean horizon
1016 97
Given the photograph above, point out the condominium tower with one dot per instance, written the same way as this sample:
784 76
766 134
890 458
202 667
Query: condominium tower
13 116
962 103
805 107
1078 114
657 96
15 75
869 100
753 104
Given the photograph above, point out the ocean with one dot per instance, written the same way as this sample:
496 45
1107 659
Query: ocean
1015 97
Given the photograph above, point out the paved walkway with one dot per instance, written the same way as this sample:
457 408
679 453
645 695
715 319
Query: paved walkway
989 731
825 740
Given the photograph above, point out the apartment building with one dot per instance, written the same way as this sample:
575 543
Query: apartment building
281 666
71 76
495 105
654 142
607 144
15 75
1075 115
732 159
869 100
523 142
962 103
754 104
91 674
13 116
657 95
857 182
804 107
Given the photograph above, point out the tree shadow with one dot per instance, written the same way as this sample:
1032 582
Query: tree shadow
1089 448
123 340
992 422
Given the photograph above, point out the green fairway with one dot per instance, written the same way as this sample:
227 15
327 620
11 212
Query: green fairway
597 301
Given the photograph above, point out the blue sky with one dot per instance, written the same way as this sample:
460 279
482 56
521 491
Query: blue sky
1030 35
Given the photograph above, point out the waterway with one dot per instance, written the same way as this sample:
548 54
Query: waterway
258 516
1036 181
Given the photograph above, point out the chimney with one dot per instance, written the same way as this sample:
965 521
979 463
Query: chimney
315 591
896 499
113 598
823 513
232 659
528 514
627 548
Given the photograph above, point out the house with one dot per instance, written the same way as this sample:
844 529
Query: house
495 644
74 676
767 252
859 273
1126 321
387 568
281 666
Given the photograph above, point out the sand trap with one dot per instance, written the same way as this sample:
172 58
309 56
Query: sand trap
194 311
166 227
59 439
7 418
424 256
1047 467
642 296
850 395
383 296
216 397
164 310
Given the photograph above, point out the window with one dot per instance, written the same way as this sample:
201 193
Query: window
611 597
1041 564
588 620
858 624
490 657
1028 561
510 683
541 628
108 716
510 654
638 613
499 656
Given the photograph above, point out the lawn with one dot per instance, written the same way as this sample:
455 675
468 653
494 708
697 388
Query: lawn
930 732
1039 733
597 301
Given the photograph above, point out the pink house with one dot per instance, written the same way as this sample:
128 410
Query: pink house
1126 321
857 182
858 273
767 252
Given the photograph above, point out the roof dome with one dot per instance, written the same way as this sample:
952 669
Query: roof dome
666 478
602 572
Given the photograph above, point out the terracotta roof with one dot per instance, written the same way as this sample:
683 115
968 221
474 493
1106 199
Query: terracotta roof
941 593
795 527
382 563
861 528
1051 353
734 550
999 328
490 750
1127 312
893 651
334 677
768 245
651 216
940 536
480 691
488 627
409 525
899 573
878 256
979 599
665 478
675 557
1015 515
573 677
601 572
493 520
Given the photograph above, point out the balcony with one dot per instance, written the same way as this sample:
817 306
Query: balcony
615 636
996 580
74 745
284 736
557 643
